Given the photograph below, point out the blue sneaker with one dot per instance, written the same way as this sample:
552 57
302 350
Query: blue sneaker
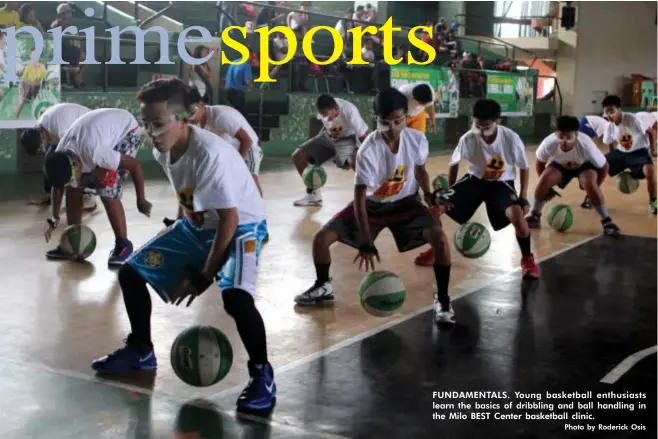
120 254
125 360
261 389
57 255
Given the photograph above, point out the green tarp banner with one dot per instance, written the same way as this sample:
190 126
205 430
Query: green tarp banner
514 92
442 79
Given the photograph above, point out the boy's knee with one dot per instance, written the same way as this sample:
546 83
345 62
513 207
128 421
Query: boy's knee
127 276
236 301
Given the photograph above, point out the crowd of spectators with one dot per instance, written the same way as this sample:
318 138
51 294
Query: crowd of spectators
19 14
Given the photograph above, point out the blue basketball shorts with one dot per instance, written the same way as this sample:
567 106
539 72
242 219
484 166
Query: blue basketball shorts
586 128
163 262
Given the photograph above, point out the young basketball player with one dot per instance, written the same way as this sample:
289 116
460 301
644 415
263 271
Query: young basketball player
592 126
632 150
230 124
420 96
572 155
493 153
649 124
343 127
44 137
218 235
97 151
390 168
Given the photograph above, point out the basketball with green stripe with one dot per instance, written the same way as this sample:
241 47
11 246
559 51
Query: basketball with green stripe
314 177
201 356
472 240
440 183
626 183
382 293
78 241
560 217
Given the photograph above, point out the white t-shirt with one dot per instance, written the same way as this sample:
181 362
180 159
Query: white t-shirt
227 121
368 55
495 162
629 134
211 175
597 124
585 150
59 118
348 123
390 177
647 120
414 108
93 137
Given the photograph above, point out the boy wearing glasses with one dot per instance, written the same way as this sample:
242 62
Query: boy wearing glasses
218 235
343 130
493 153
97 152
390 168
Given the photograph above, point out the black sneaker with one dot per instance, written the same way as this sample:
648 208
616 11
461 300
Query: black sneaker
534 220
610 228
57 255
586 204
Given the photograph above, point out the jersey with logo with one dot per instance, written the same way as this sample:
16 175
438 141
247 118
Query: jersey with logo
629 134
585 150
492 162
390 176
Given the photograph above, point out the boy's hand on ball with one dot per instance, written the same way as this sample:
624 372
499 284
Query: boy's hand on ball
184 290
367 255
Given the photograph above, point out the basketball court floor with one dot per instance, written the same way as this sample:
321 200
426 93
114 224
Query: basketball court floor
340 372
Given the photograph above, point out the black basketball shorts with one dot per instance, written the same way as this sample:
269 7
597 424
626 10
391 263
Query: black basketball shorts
619 161
569 174
467 194
407 219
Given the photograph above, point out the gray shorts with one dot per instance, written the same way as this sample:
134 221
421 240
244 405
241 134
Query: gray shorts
323 148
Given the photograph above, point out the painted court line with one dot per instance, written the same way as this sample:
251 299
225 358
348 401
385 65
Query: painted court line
627 365
350 341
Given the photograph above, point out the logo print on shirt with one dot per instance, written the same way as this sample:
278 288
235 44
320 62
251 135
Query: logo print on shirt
570 164
186 200
626 141
494 168
393 184
336 131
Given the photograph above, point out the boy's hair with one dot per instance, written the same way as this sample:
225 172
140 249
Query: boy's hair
567 123
326 102
57 168
423 94
194 97
31 141
486 109
388 101
173 91
611 100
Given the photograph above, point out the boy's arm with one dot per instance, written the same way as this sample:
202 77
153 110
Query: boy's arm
56 195
135 168
245 142
361 213
228 223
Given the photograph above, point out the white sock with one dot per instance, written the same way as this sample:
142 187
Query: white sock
602 211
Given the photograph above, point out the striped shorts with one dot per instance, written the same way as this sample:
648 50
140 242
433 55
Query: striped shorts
253 160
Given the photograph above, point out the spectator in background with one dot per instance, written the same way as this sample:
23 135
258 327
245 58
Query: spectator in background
370 14
29 17
299 64
358 15
9 15
239 79
72 51
201 75
345 24
268 16
298 20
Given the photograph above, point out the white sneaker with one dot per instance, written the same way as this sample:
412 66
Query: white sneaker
318 294
312 199
443 316
88 202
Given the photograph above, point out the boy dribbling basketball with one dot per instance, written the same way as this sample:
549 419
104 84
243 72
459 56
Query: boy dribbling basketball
342 128
632 150
97 151
573 155
219 235
390 168
593 127
419 96
49 129
493 153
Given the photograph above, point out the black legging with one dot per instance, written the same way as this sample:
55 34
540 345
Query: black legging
238 100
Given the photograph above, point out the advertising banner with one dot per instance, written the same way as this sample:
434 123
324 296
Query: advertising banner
39 88
442 79
514 92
